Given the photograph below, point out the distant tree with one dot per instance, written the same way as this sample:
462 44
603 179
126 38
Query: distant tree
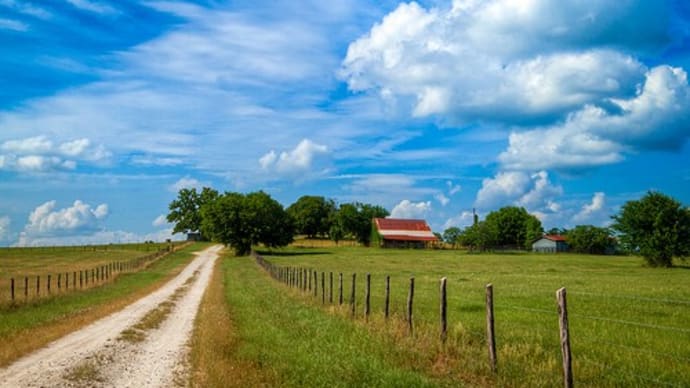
244 220
477 237
590 239
185 211
452 235
657 226
354 219
513 226
312 215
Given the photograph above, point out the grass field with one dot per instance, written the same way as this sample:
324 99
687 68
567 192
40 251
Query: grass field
629 323
30 326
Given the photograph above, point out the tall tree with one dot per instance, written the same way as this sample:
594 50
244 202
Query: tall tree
355 219
513 226
185 211
452 235
244 220
590 239
657 226
313 215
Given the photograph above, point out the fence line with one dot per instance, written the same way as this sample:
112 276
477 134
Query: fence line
560 313
88 278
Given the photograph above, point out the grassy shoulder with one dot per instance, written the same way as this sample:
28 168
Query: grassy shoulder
257 332
32 326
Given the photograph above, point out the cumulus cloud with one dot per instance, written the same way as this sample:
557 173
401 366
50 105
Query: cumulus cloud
185 183
462 220
4 228
99 237
593 210
79 219
535 192
161 220
300 158
40 154
658 117
408 209
506 61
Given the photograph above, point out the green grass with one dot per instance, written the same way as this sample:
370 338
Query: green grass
629 323
34 321
289 343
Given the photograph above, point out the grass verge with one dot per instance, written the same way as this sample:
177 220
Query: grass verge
31 327
253 333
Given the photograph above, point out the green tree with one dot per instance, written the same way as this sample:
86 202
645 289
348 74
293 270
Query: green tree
354 219
452 235
312 215
477 237
590 239
185 211
657 226
244 220
513 226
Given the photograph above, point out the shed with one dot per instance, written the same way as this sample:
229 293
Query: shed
402 233
550 243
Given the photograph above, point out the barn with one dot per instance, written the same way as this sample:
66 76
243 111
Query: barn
401 233
550 243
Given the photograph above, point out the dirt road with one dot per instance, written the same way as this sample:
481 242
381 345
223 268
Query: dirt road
125 349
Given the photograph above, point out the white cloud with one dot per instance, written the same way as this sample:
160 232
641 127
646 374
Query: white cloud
99 237
93 6
408 209
453 188
502 60
26 8
78 219
39 154
462 220
298 159
592 210
658 117
4 228
161 220
534 192
14 25
185 183
442 199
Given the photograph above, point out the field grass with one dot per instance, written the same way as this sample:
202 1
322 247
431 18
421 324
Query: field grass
28 327
19 263
629 323
252 331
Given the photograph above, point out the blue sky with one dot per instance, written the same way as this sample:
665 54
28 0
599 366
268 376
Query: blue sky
429 109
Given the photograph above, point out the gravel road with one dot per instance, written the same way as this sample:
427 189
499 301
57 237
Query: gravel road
97 356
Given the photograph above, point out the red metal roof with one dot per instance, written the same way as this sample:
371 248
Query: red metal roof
554 237
404 230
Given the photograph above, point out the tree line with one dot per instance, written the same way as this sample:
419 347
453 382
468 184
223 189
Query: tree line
243 220
656 226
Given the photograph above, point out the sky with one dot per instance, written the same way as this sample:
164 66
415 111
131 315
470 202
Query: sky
430 109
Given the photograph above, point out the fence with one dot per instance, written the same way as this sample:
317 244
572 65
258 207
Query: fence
24 289
320 284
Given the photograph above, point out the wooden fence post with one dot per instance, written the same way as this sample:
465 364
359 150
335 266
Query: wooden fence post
59 281
387 303
26 287
367 298
490 333
38 285
352 295
340 289
444 310
323 288
310 280
330 288
565 338
410 298
316 283
66 280
12 288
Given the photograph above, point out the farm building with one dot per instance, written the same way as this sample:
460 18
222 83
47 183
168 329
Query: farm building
401 233
550 243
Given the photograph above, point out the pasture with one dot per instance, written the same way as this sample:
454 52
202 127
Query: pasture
628 323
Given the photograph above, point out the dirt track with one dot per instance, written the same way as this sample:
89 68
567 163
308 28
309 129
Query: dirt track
95 357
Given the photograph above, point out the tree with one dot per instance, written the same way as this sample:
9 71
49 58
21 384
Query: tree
354 219
244 220
452 235
513 226
657 226
185 211
477 237
590 239
312 215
